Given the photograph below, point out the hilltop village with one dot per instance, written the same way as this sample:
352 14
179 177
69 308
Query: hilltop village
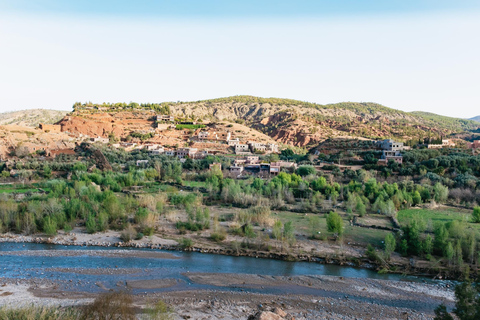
161 134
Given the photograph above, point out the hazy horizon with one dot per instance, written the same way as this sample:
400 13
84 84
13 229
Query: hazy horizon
406 55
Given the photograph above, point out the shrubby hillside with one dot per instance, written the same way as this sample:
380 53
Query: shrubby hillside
477 119
31 118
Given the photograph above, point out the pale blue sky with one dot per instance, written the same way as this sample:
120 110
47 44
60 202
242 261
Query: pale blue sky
409 55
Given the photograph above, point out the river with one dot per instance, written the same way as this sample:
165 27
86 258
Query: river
86 267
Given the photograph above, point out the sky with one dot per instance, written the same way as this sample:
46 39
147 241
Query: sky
412 55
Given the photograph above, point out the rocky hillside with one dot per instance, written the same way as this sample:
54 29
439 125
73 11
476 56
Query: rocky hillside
31 118
123 124
299 123
21 140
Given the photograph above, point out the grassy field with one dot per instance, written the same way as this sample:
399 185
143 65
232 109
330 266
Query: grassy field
364 236
20 188
434 216
195 184
159 187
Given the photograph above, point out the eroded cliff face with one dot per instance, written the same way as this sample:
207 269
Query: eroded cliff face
102 124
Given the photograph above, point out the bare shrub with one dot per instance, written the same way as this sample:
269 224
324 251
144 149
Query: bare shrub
277 203
171 215
159 311
262 216
459 195
128 234
148 202
116 305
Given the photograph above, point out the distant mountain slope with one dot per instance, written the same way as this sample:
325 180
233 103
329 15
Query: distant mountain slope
301 123
476 119
454 124
31 118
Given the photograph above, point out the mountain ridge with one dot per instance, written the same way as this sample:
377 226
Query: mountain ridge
287 121
301 123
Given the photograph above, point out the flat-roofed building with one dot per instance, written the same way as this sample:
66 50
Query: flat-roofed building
165 118
186 152
241 148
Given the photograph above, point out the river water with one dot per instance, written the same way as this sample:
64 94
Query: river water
53 262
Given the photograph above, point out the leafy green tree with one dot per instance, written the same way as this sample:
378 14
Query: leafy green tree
411 233
428 245
277 229
49 226
79 166
306 170
47 171
449 252
390 245
440 193
458 254
360 207
289 232
441 238
335 223
416 198
314 225
404 247
467 306
476 215
91 224
102 221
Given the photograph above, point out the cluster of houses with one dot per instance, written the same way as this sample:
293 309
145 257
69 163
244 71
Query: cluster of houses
240 148
252 165
391 150
255 147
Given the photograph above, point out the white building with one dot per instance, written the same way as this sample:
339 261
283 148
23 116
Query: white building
241 148
186 152
390 145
